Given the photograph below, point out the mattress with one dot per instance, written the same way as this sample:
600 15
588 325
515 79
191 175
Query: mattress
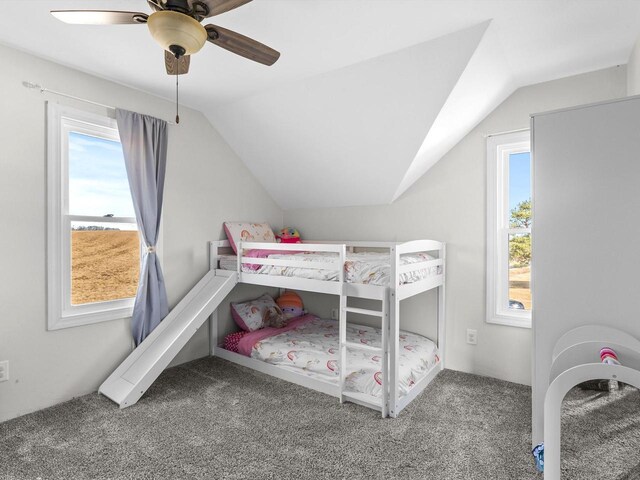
309 346
362 267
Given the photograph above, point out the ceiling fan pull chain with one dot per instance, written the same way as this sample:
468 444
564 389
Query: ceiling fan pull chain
177 90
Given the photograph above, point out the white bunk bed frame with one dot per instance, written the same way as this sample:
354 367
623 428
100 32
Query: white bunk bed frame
390 404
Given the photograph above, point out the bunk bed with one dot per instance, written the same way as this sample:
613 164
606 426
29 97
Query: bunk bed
392 273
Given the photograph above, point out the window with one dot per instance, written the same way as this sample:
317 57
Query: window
93 245
509 229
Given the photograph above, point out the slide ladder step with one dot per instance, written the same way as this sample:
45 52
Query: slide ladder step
363 311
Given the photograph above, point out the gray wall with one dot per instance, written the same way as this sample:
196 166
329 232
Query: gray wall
586 202
633 71
449 204
206 184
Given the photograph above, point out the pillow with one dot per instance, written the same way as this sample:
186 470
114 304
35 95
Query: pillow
248 232
249 316
291 304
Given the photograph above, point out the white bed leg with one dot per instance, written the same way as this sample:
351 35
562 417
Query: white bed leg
342 316
384 399
552 411
394 311
343 344
213 333
214 258
441 310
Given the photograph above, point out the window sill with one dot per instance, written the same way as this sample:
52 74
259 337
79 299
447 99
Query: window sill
520 321
81 319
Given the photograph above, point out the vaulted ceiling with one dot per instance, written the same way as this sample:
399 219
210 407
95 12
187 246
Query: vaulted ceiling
367 95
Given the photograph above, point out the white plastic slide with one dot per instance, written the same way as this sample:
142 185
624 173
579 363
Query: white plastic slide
140 369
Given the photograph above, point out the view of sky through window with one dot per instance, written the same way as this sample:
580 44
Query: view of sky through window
519 244
98 184
519 178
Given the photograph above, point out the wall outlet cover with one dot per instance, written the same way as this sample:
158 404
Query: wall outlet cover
472 336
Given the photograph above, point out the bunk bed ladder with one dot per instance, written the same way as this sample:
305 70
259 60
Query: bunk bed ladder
383 351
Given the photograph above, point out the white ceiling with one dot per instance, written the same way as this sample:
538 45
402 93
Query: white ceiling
347 137
336 102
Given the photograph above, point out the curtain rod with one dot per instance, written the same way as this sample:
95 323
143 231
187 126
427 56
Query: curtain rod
42 89
508 131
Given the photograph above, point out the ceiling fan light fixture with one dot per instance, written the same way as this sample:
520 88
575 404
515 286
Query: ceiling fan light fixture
170 28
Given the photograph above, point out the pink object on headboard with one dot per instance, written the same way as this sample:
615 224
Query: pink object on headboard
248 232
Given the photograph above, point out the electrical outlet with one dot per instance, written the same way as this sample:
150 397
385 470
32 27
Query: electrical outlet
334 313
472 336
4 371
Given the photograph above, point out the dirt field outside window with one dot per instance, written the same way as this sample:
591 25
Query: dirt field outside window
105 265
520 285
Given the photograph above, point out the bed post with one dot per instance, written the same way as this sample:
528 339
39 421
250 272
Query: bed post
239 260
342 318
441 308
394 314
385 355
213 319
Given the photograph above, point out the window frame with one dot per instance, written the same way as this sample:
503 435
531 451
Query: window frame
499 147
60 312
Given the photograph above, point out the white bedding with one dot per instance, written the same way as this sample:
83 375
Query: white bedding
363 267
312 349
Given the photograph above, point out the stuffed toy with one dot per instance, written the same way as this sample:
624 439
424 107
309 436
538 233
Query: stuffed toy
274 317
291 304
289 235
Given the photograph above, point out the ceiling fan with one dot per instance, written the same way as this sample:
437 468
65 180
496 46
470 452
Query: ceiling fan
176 26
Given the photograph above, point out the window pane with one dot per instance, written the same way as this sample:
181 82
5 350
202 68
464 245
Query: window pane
520 190
98 184
105 261
520 272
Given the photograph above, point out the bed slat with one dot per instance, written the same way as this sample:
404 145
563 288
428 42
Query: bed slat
362 311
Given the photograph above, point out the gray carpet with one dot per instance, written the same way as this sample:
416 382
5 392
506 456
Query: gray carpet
212 419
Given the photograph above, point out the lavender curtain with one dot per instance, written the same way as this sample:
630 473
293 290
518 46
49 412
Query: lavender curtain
144 144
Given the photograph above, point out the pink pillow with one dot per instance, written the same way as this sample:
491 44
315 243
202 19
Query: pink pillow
248 232
249 316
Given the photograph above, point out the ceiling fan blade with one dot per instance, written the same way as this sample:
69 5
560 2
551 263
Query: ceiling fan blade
241 45
170 63
155 5
216 7
99 17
